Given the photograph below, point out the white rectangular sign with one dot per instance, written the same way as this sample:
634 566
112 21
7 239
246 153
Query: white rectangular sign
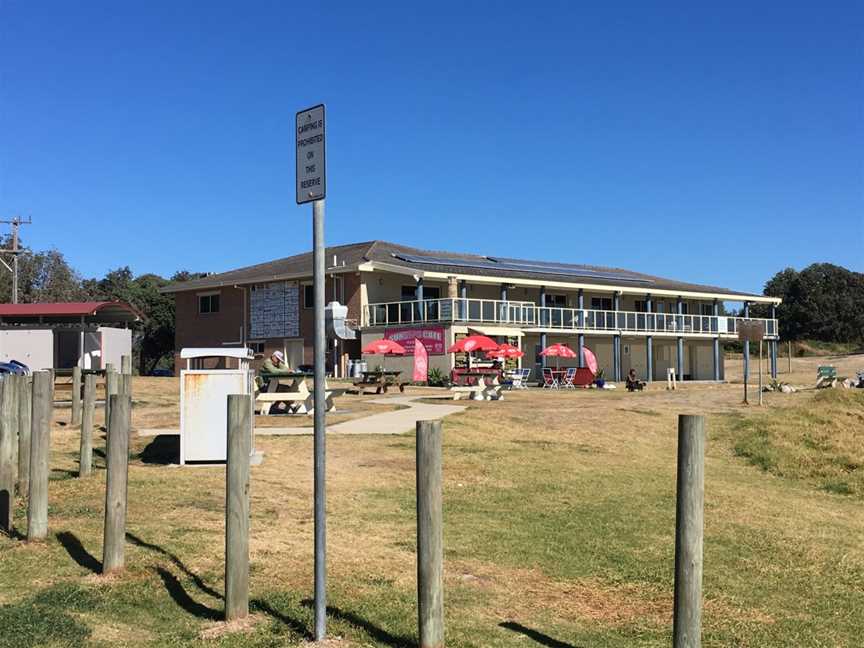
311 167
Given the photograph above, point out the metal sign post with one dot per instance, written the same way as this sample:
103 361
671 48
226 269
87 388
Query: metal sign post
311 187
752 331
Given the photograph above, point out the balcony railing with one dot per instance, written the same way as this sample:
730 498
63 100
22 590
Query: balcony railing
530 315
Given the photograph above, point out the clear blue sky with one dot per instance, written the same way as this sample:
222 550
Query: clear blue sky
714 144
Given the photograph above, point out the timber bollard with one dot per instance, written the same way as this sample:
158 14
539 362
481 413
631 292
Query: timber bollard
8 449
117 460
430 544
40 450
85 459
76 396
689 516
237 507
126 374
25 411
110 390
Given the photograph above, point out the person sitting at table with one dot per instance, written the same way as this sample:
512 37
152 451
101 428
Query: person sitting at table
633 382
276 364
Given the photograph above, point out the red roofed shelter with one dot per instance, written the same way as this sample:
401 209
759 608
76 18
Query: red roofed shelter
62 335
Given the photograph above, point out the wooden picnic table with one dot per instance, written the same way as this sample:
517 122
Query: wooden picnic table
480 384
293 390
382 380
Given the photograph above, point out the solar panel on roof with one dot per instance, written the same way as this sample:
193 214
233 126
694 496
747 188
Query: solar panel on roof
489 263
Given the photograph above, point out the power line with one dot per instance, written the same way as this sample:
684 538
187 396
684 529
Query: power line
16 222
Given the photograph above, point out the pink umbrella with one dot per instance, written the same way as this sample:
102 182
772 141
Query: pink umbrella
558 351
473 343
590 359
384 347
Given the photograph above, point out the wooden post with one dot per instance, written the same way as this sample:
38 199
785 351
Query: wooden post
76 396
115 485
237 506
8 449
40 450
85 461
126 374
25 411
110 390
430 544
689 516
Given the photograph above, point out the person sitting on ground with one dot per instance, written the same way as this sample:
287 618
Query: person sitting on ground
633 382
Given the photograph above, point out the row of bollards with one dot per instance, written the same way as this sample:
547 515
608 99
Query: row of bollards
28 437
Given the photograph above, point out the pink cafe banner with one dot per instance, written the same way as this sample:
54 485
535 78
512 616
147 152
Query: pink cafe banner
432 338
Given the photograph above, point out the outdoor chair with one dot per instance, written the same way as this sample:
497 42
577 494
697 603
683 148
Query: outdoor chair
549 379
568 378
526 374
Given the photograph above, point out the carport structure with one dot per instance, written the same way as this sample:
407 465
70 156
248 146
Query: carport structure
61 335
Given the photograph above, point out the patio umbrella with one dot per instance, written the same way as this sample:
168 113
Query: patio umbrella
590 359
505 351
558 351
383 347
473 343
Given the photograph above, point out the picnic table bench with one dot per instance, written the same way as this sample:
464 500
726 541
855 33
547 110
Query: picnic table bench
826 376
381 380
296 395
480 385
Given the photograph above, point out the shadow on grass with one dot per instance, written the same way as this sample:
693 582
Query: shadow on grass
378 634
163 450
79 554
181 597
534 635
199 582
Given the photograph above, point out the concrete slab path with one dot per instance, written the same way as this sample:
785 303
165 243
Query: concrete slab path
395 422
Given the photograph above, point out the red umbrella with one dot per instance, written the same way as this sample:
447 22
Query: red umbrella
558 351
384 347
505 351
473 343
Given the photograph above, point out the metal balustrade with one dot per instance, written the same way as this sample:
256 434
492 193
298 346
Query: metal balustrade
529 315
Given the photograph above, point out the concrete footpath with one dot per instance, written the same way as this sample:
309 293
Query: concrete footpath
395 422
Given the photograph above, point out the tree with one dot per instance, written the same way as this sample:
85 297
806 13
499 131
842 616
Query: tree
823 302
42 277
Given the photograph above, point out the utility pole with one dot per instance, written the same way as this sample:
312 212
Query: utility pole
16 222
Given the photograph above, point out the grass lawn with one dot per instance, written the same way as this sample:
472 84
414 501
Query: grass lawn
559 530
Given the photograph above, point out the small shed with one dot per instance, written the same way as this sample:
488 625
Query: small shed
204 400
62 335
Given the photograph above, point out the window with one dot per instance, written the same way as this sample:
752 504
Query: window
556 301
601 303
208 303
707 309
409 293
309 296
661 307
257 347
685 308
641 306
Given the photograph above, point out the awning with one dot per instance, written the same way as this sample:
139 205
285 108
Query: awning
496 330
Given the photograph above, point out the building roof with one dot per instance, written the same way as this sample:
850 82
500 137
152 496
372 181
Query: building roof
94 311
386 255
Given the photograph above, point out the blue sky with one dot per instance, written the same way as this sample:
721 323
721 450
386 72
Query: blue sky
715 144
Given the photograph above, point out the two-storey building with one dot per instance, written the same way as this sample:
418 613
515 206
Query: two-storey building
628 319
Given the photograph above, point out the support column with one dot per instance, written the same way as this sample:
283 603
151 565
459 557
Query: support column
502 315
772 345
716 344
679 356
418 295
746 345
463 294
543 323
581 338
649 341
616 341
